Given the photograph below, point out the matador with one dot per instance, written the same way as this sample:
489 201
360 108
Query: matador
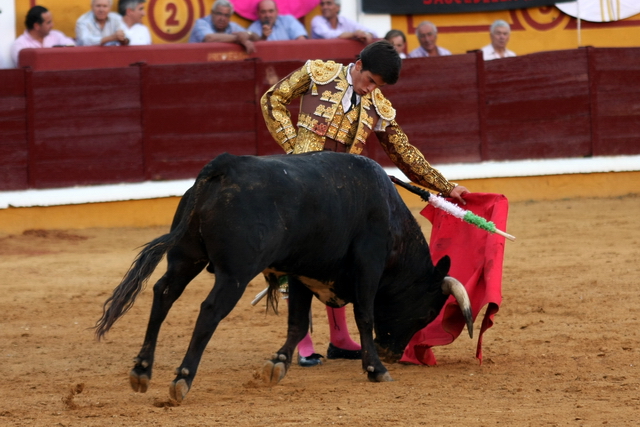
340 105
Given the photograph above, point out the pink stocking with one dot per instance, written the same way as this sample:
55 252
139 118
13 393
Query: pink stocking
338 330
305 347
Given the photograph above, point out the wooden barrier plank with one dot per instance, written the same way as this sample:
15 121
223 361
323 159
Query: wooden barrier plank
436 100
617 86
193 112
13 131
87 127
538 105
182 156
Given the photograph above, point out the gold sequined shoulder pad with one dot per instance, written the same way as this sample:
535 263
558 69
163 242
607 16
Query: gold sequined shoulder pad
383 105
322 72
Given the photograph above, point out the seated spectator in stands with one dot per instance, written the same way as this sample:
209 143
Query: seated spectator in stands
330 25
398 40
499 33
100 26
427 34
39 33
132 12
272 26
217 27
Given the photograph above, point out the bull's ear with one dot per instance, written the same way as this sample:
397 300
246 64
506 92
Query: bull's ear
442 267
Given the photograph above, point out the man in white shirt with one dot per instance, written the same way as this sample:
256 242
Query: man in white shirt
132 12
331 25
500 31
39 32
100 26
427 34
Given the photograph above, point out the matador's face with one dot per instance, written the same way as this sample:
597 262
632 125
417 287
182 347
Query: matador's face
364 82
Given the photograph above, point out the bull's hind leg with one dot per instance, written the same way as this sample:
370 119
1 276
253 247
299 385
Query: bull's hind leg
221 300
180 271
300 298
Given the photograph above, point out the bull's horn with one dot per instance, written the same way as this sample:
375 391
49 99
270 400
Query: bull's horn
451 286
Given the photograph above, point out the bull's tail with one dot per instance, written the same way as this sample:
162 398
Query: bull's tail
125 294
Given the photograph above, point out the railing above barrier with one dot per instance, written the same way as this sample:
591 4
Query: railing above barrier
73 58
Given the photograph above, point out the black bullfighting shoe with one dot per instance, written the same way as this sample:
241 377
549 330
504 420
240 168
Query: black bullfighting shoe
334 352
312 360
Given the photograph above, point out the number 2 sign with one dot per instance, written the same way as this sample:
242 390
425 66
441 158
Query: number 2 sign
172 20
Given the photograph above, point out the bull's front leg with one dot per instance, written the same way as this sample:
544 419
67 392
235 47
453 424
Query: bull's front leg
371 363
299 300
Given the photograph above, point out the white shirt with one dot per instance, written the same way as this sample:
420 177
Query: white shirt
138 34
421 52
346 100
489 53
89 33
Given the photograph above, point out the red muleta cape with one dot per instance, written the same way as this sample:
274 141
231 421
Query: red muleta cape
476 261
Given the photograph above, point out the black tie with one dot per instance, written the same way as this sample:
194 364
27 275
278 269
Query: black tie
354 100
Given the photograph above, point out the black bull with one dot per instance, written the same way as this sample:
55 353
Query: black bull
334 223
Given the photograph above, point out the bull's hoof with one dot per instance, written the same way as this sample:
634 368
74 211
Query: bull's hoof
139 382
378 377
178 390
272 373
140 375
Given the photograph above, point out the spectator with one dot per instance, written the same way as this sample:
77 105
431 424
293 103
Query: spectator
330 25
272 26
217 27
132 12
100 26
399 42
427 34
39 32
340 106
500 31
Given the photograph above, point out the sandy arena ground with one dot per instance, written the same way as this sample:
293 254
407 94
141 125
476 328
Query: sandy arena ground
564 350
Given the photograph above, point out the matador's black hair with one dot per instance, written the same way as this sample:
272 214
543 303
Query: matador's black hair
382 59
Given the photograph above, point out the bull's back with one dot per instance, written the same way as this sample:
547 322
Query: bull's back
289 202
322 182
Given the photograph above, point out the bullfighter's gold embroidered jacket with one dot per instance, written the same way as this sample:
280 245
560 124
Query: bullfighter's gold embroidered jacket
322 86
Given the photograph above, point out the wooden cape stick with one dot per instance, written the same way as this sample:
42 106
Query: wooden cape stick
465 215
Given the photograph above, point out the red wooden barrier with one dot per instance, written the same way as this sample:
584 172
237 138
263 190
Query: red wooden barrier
128 124
13 131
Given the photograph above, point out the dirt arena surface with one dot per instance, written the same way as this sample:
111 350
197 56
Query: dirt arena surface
564 349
